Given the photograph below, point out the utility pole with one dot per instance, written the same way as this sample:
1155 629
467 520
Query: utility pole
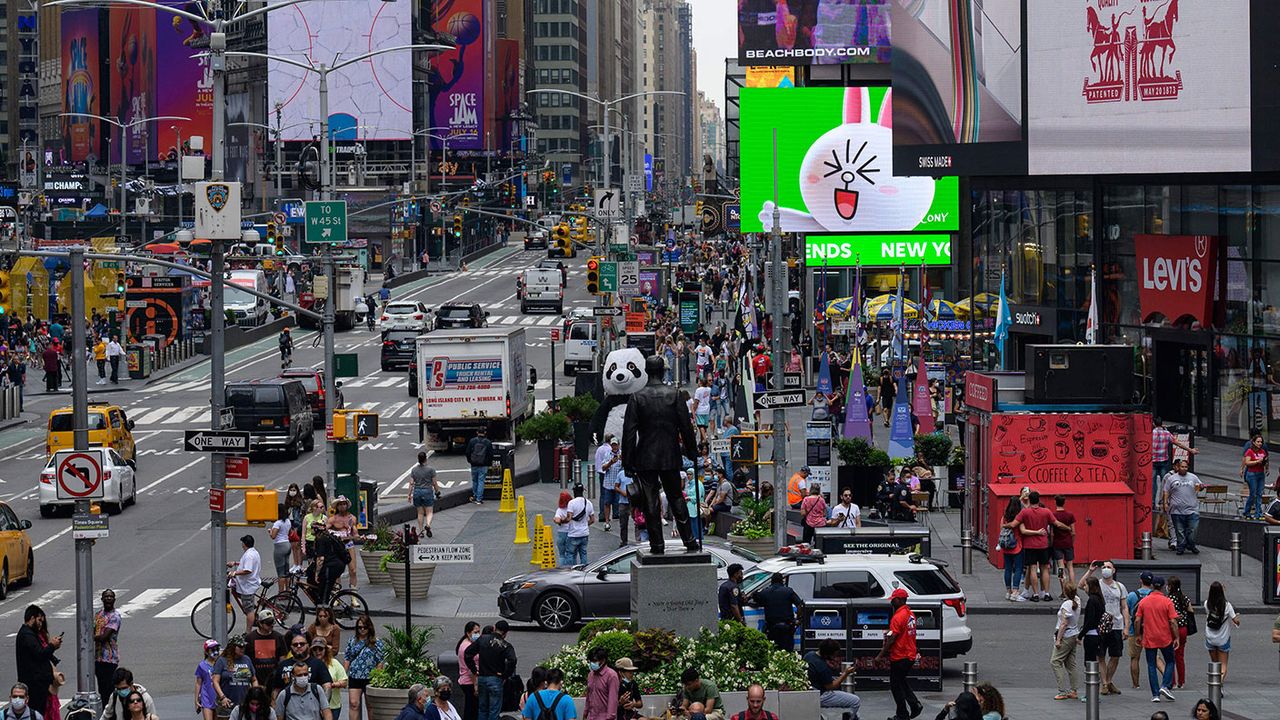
217 331
80 441
778 301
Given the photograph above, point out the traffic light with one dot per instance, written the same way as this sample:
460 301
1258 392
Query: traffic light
593 275
457 225
5 292
120 283
697 209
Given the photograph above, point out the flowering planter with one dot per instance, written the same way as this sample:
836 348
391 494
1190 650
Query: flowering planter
372 560
419 581
385 703
764 547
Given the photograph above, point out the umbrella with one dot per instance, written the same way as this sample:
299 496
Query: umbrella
163 248
883 308
840 308
940 309
978 306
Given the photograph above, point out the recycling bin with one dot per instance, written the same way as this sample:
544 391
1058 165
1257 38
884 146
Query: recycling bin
504 458
367 510
139 360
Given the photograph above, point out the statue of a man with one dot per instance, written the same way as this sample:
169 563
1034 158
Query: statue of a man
657 432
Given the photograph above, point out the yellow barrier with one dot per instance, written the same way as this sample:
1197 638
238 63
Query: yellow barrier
522 523
536 557
508 502
548 549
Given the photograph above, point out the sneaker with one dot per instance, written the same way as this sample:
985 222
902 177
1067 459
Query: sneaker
1155 699
1195 551
1008 595
429 533
1018 598
1167 693
608 527
1045 597
1034 598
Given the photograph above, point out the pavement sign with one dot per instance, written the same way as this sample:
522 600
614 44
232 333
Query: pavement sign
236 441
79 475
780 399
720 446
454 553
88 526
326 221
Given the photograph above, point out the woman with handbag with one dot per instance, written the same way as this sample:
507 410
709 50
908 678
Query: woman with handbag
1186 627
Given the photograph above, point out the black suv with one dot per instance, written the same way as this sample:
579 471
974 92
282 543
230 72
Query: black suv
276 413
398 348
460 315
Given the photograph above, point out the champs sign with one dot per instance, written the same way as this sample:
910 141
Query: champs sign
1176 276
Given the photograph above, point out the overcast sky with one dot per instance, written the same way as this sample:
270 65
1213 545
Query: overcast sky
715 37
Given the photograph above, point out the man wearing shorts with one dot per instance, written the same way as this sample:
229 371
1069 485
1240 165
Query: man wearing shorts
1064 543
245 576
1115 605
1034 522
423 491
702 410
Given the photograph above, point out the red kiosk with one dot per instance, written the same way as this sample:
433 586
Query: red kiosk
1097 455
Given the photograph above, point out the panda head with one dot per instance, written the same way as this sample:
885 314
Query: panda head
624 372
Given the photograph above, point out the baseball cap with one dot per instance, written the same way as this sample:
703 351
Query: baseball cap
319 643
1157 582
266 615
1146 576
211 645
898 594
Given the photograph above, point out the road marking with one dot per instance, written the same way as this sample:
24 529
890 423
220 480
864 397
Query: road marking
392 408
146 599
52 537
409 412
166 477
47 599
185 414
390 382
154 415
183 607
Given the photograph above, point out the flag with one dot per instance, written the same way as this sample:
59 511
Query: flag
926 299
921 403
856 421
824 374
859 334
899 342
1004 321
1091 326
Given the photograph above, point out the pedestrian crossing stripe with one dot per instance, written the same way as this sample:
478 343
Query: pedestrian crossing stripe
151 602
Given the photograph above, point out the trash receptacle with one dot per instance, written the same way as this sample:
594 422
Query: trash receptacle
1270 565
367 513
1186 435
139 361
504 458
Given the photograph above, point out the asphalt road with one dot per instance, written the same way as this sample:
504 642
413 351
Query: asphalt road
157 557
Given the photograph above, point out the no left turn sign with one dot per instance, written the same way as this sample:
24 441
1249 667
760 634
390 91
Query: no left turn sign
79 476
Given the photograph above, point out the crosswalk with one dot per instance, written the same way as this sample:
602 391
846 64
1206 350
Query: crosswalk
158 603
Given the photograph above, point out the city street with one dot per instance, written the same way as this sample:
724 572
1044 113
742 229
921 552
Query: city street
157 557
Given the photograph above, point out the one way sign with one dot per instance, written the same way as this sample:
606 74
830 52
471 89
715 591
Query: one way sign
780 399
229 441
608 203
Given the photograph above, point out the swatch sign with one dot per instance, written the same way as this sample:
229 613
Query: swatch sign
1176 275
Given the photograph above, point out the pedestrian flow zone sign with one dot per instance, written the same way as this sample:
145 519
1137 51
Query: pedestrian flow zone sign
326 221
455 553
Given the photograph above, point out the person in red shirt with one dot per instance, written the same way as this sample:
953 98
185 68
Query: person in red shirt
761 365
1034 523
900 646
1157 623
1064 543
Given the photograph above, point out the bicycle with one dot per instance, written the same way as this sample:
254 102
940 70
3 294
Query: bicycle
346 605
202 617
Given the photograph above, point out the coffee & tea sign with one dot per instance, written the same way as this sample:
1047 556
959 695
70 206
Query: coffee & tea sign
1176 276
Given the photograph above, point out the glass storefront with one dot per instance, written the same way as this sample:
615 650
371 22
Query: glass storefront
1222 380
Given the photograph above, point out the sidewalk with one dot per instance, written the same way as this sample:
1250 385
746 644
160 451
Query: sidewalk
35 379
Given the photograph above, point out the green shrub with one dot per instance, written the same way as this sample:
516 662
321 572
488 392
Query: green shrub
654 647
757 521
618 643
408 657
595 627
579 407
545 426
751 645
857 452
935 448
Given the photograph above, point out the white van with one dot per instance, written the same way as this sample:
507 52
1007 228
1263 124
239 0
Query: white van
250 311
541 289
580 347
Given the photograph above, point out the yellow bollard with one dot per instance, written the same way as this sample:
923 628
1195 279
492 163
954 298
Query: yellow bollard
535 558
508 502
548 559
522 523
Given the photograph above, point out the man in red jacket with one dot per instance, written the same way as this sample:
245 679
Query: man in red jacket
900 646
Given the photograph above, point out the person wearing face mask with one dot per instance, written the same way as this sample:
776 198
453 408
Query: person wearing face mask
440 708
302 699
466 680
317 671
1114 625
255 706
629 698
19 709
602 687
206 694
122 685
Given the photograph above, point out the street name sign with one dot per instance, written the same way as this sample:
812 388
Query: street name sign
780 399
236 441
326 221
79 475
454 553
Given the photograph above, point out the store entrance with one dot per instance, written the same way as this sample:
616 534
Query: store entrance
1181 378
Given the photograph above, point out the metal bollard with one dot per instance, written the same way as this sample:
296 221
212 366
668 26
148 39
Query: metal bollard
1092 689
1215 684
970 675
563 472
966 553
1235 555
1147 554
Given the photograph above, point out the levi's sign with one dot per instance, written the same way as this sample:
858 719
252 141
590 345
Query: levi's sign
1176 276
893 250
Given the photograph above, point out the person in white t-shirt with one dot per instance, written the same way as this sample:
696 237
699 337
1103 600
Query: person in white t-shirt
246 578
1219 618
281 548
702 407
846 514
579 517
1065 637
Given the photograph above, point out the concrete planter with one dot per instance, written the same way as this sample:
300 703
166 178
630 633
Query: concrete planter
764 547
372 560
419 581
385 703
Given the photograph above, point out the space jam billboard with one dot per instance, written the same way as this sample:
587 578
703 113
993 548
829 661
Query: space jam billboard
81 84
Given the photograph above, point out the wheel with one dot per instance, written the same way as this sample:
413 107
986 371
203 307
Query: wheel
288 609
133 492
524 309
201 620
291 451
114 508
47 511
31 569
347 607
555 611
4 581
309 442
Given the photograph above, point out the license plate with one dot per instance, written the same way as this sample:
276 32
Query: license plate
267 422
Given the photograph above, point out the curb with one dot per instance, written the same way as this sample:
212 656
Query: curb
13 423
404 513
1049 608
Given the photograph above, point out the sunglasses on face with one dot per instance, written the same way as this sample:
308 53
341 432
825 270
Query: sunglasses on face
299 644
133 700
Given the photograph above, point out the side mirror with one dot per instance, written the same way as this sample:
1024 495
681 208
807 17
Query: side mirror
602 574
129 424
26 524
133 464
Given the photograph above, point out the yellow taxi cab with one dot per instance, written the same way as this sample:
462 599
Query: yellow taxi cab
17 560
108 427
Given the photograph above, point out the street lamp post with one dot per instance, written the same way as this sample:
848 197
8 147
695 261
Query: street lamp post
279 146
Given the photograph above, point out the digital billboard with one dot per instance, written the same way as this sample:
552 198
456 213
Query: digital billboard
81 84
184 87
835 251
958 80
778 32
1127 86
834 165
132 69
367 100
508 92
457 77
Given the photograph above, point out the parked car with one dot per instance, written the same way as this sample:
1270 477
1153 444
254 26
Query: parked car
16 553
398 348
275 412
119 483
557 599
870 576
313 382
405 314
461 315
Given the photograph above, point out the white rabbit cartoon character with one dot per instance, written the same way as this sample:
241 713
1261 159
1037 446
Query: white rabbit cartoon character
845 178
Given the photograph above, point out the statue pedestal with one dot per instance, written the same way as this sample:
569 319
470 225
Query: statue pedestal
676 591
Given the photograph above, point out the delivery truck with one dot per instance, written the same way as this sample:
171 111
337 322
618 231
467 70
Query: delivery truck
541 289
469 379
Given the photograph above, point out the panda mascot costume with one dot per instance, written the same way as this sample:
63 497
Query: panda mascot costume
623 375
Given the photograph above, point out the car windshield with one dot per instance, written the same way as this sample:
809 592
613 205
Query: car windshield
456 313
928 581
755 580
309 381
401 309
236 296
246 397
62 422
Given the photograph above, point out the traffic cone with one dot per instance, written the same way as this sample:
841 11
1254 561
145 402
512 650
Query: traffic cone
522 523
536 557
508 501
548 549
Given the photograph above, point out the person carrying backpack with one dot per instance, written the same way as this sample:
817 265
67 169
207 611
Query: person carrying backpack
479 454
302 699
550 703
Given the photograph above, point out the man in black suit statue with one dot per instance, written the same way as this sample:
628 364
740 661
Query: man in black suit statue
657 431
